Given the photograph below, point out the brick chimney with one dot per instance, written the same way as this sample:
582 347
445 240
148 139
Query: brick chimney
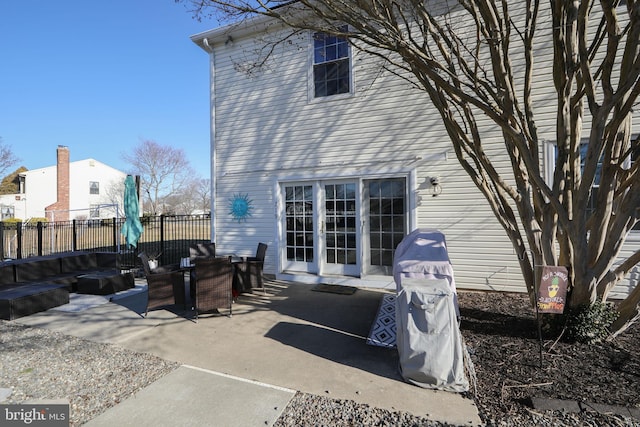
61 206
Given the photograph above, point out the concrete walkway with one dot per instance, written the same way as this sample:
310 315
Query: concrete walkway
253 362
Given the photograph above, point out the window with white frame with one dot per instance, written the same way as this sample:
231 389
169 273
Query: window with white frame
596 182
94 187
94 211
331 64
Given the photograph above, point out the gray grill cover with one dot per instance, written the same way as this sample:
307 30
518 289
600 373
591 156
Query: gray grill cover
423 254
427 336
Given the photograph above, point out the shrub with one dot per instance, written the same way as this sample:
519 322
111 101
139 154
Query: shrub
589 323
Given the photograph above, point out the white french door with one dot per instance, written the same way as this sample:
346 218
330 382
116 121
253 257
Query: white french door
299 228
340 228
343 227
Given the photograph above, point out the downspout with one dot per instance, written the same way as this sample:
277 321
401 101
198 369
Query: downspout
212 130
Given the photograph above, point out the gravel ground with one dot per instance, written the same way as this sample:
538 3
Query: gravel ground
41 364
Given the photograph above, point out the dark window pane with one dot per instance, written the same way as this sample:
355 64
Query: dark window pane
350 191
308 193
386 207
374 206
375 257
351 223
343 50
398 224
375 240
387 258
331 53
375 224
351 241
351 257
330 192
398 206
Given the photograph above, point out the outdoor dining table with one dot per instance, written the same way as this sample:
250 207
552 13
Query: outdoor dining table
187 265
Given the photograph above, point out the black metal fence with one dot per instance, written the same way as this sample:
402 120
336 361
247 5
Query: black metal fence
166 238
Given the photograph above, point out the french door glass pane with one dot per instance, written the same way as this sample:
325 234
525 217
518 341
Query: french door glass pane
387 208
299 223
340 223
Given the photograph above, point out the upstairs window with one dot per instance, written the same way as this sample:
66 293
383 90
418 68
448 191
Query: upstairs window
331 64
94 187
591 204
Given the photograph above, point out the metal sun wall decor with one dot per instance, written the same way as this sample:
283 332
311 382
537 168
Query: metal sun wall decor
240 207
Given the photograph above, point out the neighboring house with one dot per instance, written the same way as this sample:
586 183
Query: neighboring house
332 161
84 189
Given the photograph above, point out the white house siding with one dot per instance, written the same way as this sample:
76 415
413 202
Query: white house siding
111 183
269 130
40 190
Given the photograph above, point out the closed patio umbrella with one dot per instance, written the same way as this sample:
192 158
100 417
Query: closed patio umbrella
132 227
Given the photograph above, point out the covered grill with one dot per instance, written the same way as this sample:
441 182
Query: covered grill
427 333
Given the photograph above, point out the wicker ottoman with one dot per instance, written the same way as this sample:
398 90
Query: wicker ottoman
26 299
104 283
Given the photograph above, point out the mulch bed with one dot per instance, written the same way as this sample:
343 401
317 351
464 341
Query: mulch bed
500 331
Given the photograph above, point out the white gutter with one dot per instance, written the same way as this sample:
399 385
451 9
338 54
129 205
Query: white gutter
239 29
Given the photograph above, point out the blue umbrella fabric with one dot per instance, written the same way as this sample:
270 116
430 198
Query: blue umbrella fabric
132 227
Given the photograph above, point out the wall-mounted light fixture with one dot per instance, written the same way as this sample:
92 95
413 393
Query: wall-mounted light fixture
435 184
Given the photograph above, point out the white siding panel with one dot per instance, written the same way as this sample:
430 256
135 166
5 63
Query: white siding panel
268 127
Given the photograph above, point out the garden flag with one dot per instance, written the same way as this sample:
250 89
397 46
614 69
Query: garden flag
552 289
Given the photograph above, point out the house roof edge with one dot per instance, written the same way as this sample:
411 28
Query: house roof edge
243 28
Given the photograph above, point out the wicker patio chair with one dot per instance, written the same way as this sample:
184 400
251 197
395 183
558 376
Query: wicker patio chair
163 287
144 259
253 268
213 283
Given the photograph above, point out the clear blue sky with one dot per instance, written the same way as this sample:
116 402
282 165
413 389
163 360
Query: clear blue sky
99 76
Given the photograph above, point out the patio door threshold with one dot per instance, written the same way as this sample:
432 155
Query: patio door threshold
377 282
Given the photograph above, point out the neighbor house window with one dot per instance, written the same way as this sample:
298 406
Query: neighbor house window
331 64
94 187
94 211
7 212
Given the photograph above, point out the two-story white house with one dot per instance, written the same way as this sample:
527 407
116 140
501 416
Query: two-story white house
331 161
83 189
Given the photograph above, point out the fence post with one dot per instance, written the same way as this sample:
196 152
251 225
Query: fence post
162 233
2 240
74 236
19 240
115 234
39 230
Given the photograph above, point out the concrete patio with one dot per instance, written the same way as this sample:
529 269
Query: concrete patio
290 339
